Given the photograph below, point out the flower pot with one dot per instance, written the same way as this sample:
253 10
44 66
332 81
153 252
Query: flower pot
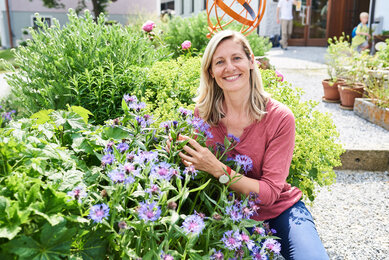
364 108
348 93
331 92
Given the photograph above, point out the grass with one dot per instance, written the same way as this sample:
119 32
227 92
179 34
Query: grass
7 55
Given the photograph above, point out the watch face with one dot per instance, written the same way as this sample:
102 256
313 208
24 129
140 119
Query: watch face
224 179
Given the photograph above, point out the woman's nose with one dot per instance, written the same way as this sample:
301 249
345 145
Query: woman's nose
230 66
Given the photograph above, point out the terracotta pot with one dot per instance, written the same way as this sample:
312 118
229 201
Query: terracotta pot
331 93
348 93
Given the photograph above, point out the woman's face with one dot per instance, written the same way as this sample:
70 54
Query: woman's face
230 66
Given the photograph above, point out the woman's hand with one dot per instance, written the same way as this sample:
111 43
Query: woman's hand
200 157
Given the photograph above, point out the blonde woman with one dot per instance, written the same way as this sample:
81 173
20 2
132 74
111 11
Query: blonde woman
232 100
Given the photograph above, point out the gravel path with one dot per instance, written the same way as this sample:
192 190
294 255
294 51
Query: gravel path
351 216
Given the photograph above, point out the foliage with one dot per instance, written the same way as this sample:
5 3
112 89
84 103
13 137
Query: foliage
83 63
338 57
195 30
8 56
153 205
383 55
316 149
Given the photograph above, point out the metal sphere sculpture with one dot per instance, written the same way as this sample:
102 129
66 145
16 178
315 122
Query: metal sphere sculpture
236 10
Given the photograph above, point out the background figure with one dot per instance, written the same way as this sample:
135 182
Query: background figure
361 40
286 19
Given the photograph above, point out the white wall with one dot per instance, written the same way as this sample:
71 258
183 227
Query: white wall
382 9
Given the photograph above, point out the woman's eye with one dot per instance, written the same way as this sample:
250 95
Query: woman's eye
237 58
219 62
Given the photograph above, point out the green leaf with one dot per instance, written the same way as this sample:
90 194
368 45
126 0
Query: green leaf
117 132
84 113
42 116
201 187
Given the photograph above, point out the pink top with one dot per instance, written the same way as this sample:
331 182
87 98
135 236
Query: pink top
269 143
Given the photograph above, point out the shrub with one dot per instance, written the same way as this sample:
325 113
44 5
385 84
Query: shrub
83 63
195 30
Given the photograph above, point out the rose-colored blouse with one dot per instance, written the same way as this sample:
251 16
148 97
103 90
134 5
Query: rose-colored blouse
269 143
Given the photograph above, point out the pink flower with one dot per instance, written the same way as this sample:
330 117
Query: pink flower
279 76
148 26
186 45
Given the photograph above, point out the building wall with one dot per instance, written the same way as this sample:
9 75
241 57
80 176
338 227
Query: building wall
382 9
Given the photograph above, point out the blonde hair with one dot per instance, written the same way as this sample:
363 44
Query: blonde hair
364 14
209 100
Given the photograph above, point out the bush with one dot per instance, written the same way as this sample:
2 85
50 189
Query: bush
83 63
195 30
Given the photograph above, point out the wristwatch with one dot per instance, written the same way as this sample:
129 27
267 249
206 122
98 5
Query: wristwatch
224 178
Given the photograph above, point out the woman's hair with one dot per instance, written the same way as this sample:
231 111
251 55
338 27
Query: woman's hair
209 100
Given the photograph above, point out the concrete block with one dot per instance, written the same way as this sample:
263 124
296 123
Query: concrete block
367 160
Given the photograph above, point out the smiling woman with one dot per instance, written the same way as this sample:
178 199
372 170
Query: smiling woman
233 101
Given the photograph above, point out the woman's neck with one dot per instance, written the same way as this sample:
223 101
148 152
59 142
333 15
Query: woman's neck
236 104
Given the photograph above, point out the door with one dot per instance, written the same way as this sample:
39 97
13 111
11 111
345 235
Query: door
310 23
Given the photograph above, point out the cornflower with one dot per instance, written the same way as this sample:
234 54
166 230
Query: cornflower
166 256
184 112
149 212
122 147
108 159
233 138
232 240
130 99
244 162
246 239
162 171
193 224
256 253
234 212
272 245
77 193
190 170
144 157
217 255
98 212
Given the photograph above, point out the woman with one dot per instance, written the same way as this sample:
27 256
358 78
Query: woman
232 100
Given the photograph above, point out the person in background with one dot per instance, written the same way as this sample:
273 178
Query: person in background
232 100
286 19
361 40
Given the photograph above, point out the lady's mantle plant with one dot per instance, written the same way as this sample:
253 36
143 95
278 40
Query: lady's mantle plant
139 201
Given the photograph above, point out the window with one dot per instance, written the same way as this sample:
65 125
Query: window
205 4
193 6
46 20
182 6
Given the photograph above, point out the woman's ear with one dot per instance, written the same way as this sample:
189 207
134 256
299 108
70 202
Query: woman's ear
210 73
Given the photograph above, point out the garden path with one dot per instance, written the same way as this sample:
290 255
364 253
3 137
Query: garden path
351 215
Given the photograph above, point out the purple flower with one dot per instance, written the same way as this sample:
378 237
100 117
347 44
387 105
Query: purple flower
201 126
272 245
248 212
256 253
98 212
117 176
190 170
108 148
148 26
186 45
77 193
260 230
122 147
193 224
108 159
217 255
233 138
149 212
154 189
145 157
162 171
184 112
166 125
122 225
8 115
246 239
130 99
234 212
244 162
232 241
166 256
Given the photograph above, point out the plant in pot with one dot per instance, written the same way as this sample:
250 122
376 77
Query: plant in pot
337 52
353 86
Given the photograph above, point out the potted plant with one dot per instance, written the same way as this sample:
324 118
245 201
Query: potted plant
337 52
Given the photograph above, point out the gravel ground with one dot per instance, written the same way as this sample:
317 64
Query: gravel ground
351 216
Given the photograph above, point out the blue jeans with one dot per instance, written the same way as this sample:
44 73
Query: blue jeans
299 237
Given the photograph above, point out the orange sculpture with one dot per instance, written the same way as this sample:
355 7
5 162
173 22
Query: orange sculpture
236 10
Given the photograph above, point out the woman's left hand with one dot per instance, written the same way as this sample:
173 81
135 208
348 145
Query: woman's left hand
200 157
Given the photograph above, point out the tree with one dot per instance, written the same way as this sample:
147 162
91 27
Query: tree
99 6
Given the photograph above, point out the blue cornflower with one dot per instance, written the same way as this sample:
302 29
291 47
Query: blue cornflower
8 115
98 212
193 224
272 245
108 159
166 125
108 148
257 255
248 212
117 176
148 119
232 241
137 106
246 239
185 112
149 212
244 162
217 255
190 170
154 189
77 193
144 157
233 138
122 147
130 99
259 230
234 212
162 171
166 256
201 126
